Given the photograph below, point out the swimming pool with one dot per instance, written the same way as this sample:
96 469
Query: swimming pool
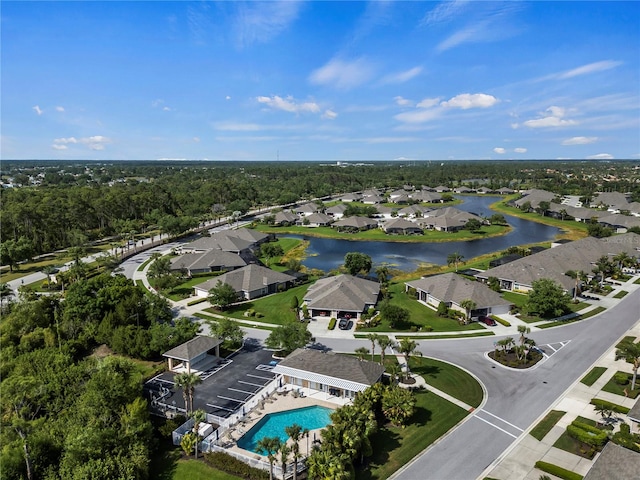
273 424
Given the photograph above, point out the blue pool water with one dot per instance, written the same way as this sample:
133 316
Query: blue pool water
273 424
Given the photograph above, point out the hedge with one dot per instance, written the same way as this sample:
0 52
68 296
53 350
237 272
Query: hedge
195 302
614 407
501 321
227 463
332 323
558 471
587 436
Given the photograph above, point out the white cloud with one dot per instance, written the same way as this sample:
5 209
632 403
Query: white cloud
259 22
553 118
228 97
196 139
343 74
97 142
403 102
444 12
419 116
288 104
428 102
157 102
166 109
520 150
402 77
329 115
237 127
590 68
601 156
468 100
37 109
500 150
579 140
59 109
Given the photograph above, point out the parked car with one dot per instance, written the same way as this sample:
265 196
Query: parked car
344 324
488 321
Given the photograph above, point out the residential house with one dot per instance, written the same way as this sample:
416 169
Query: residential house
534 198
209 261
355 224
615 462
372 199
249 282
337 211
414 211
317 220
342 296
448 219
351 197
618 222
285 219
611 201
333 374
307 209
453 290
401 226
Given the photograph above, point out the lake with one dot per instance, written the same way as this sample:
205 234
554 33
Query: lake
327 254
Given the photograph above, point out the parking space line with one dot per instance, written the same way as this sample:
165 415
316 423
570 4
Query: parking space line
503 420
241 391
554 350
219 407
258 376
495 426
252 384
233 399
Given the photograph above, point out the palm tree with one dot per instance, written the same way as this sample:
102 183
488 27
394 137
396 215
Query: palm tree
373 338
5 291
285 451
468 305
383 274
604 267
579 277
631 353
384 342
361 352
623 259
295 434
188 382
269 445
398 405
199 416
326 464
454 259
408 348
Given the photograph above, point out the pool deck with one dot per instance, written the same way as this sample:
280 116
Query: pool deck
279 402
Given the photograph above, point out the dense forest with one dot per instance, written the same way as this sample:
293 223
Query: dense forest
73 202
67 414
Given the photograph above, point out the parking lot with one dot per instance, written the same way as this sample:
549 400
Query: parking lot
222 391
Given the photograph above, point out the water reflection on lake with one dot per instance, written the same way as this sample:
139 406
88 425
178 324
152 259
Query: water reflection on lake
327 254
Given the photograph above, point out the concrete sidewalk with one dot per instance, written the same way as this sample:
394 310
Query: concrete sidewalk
518 462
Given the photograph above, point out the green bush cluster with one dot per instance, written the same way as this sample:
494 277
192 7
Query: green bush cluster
621 378
197 301
233 466
332 323
614 407
501 321
587 434
558 471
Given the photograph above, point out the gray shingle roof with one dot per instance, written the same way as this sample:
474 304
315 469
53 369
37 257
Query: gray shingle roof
208 259
615 463
451 287
193 348
356 222
248 279
334 365
342 292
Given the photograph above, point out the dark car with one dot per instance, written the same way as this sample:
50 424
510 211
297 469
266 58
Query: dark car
488 321
344 324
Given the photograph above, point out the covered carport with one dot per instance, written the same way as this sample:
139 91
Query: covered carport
194 354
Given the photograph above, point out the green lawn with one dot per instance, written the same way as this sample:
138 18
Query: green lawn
613 387
569 444
419 315
620 294
198 470
394 447
518 299
591 377
546 424
169 464
274 308
185 289
379 235
453 335
628 338
448 378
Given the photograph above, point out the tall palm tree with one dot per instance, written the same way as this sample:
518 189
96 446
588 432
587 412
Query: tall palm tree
373 338
188 382
361 352
295 434
408 348
454 258
199 416
284 451
326 464
384 342
468 305
631 353
269 445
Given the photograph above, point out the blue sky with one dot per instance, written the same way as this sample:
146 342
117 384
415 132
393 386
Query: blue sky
334 81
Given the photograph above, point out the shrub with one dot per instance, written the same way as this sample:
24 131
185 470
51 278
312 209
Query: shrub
229 464
250 313
621 378
259 314
614 407
412 292
195 302
332 323
588 436
558 471
427 328
501 321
